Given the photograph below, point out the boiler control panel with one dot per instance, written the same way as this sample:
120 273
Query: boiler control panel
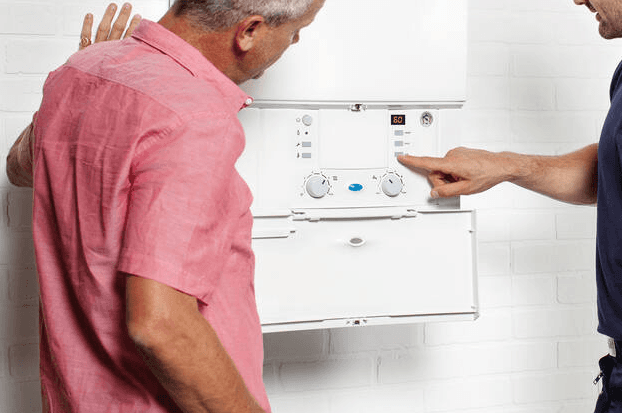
306 158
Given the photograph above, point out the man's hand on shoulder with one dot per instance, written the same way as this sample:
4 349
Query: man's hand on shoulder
106 29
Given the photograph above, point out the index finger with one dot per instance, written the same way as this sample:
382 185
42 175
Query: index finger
422 162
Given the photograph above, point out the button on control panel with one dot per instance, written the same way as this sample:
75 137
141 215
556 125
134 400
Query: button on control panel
317 186
392 184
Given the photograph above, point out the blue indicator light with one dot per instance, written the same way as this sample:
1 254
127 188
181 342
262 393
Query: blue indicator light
356 187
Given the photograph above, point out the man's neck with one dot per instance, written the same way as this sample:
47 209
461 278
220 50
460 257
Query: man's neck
216 46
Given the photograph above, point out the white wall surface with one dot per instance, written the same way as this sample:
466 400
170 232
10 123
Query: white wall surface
538 83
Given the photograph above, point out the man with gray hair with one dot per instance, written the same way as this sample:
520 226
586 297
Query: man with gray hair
141 224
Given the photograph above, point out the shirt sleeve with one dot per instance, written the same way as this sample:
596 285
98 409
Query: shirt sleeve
180 210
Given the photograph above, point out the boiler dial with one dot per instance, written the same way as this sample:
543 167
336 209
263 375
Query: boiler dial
392 184
317 186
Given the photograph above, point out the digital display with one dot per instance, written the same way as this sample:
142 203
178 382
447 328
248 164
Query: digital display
398 120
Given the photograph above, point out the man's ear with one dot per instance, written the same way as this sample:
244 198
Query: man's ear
247 34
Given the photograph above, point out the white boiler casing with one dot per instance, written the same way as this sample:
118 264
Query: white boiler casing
395 51
344 235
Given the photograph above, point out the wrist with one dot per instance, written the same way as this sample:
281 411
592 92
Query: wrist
516 167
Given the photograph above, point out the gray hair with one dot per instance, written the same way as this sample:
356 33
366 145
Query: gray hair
220 14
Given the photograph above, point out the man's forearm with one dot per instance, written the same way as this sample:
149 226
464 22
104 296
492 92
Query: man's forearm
569 178
19 160
186 356
198 373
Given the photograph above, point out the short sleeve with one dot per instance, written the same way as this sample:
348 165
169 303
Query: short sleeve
181 206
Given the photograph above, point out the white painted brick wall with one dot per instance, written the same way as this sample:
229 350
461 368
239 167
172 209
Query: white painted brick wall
530 290
446 362
343 341
488 93
554 322
494 259
532 94
580 352
486 126
493 325
478 392
37 56
533 356
20 94
582 94
576 288
576 224
533 127
395 399
538 82
330 374
27 18
539 257
495 291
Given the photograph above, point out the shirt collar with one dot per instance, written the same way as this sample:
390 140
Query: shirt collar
191 59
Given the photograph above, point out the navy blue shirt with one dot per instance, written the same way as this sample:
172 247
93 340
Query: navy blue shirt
609 227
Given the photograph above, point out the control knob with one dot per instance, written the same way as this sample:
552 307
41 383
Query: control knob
392 184
317 186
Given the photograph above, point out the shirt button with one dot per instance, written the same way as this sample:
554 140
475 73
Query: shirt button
249 102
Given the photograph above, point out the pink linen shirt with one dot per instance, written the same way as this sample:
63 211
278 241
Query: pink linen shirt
135 146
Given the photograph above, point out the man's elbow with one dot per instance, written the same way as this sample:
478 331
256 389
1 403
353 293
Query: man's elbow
145 335
17 175
19 163
156 336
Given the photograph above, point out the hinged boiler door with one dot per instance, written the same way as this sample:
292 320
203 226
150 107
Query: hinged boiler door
331 269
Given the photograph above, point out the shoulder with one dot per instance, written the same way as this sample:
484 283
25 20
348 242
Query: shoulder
158 78
157 100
